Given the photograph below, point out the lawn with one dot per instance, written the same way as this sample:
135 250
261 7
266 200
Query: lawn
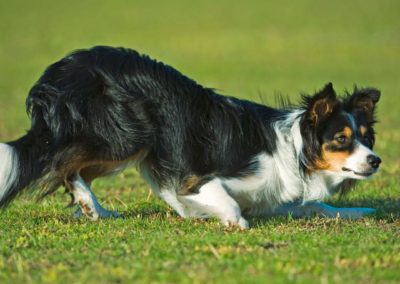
248 49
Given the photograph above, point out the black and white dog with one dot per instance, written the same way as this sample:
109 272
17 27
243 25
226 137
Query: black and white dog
98 110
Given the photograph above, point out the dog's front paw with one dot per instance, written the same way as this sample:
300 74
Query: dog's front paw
242 224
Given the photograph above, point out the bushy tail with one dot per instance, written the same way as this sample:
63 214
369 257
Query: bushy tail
22 163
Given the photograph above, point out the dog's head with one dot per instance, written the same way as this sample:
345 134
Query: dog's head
338 133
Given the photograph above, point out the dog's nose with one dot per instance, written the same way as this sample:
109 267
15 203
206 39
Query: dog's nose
374 161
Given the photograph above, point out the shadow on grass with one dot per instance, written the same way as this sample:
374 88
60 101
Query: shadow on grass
385 207
388 209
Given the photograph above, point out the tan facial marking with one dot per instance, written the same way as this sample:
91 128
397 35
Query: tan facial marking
336 160
347 131
333 161
363 130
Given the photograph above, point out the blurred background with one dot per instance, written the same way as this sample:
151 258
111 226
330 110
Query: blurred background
248 49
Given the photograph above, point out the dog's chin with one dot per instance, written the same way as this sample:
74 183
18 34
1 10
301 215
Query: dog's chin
355 174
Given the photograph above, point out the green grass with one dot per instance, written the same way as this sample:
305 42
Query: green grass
243 49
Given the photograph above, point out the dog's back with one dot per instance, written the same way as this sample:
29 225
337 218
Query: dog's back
96 110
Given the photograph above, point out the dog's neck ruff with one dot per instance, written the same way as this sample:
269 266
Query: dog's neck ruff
290 161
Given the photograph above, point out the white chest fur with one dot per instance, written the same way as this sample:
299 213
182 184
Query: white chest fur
279 178
276 183
271 185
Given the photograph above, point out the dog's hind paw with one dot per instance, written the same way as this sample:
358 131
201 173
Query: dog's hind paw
104 213
78 213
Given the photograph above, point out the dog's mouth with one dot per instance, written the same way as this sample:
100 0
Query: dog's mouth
364 174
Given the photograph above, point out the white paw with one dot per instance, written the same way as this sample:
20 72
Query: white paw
95 213
241 223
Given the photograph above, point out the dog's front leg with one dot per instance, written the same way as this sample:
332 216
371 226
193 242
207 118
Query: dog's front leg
212 200
314 208
87 201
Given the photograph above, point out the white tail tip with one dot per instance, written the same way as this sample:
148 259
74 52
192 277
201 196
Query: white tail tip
8 168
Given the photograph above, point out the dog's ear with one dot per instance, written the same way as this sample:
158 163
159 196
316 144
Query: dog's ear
320 106
364 100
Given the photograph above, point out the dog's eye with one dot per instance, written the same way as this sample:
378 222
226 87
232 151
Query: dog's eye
342 139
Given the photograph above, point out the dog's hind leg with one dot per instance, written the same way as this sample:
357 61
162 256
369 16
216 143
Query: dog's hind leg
87 201
212 200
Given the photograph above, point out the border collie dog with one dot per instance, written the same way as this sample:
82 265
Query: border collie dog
99 110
